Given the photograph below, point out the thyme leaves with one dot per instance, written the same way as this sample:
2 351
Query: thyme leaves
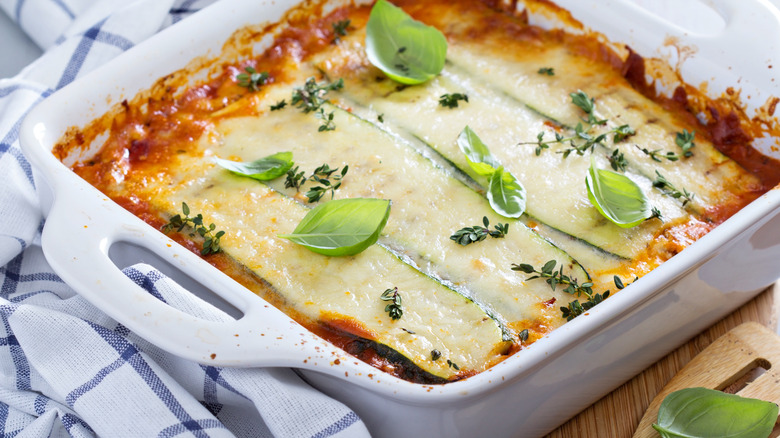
210 238
469 235
394 309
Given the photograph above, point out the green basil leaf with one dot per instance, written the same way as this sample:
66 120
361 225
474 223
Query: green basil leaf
264 169
406 50
506 194
342 227
616 197
702 412
477 154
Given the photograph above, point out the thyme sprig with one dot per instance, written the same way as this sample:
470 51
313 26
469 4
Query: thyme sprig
670 190
294 179
549 71
340 29
554 278
311 97
618 160
450 100
323 175
210 239
468 235
279 105
329 181
684 139
583 140
393 309
327 120
252 79
575 308
657 154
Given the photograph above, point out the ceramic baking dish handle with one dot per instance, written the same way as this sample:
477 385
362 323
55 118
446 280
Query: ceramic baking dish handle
76 240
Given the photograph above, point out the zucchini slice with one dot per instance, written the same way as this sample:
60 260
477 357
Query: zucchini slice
558 199
342 292
655 128
429 205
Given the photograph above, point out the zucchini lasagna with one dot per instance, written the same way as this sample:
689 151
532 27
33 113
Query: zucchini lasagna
529 176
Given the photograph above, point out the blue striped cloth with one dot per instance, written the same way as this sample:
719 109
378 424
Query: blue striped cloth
66 369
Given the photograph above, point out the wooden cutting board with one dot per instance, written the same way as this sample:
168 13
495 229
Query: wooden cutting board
747 357
618 414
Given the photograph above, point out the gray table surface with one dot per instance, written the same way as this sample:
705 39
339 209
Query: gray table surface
16 49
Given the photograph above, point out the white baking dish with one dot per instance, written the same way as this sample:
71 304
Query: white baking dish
528 394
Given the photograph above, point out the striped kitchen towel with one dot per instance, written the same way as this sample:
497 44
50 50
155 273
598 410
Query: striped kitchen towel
66 369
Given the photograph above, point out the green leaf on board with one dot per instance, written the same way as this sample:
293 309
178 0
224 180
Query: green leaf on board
702 412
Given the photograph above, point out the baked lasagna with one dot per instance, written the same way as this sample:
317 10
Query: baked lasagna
528 178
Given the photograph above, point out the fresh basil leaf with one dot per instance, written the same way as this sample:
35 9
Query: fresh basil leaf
406 50
342 227
702 412
264 169
617 198
477 154
506 194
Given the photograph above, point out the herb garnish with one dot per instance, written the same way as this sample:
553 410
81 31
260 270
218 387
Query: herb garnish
583 140
264 169
587 105
294 179
618 160
684 139
311 97
575 308
523 335
327 120
342 227
618 198
657 154
549 71
450 100
393 309
405 49
279 105
323 175
505 193
662 183
703 412
469 235
452 364
252 79
554 278
210 239
435 355
340 30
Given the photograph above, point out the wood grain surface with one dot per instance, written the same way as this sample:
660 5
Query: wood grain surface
618 413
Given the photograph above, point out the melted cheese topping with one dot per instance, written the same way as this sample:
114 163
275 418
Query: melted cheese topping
464 302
